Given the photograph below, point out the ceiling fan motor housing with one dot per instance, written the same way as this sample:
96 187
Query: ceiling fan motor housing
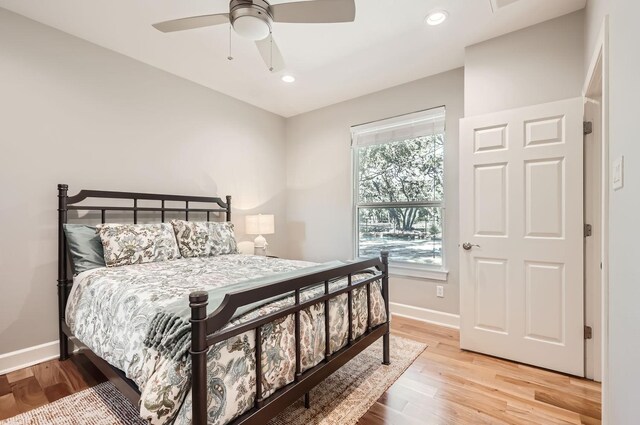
251 18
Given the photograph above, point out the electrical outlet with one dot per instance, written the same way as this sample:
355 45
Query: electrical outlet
440 291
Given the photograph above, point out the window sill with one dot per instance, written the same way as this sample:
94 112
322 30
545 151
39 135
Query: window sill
424 272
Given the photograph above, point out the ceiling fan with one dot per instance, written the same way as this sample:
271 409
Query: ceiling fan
253 19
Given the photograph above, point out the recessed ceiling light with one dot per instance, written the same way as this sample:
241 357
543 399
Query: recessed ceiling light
288 78
437 17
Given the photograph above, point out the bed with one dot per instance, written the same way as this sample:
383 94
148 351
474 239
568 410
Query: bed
180 338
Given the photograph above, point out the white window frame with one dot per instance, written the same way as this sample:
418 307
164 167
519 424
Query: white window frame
400 268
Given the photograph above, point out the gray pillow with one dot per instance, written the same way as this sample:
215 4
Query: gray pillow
85 247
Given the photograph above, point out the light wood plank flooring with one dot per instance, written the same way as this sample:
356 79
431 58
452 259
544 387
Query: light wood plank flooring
444 386
448 386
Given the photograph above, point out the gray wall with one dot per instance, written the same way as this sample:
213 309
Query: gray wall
319 179
538 64
72 112
624 274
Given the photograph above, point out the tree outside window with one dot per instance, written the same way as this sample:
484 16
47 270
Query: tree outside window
399 192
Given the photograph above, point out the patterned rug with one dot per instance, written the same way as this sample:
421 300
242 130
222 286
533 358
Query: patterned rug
341 399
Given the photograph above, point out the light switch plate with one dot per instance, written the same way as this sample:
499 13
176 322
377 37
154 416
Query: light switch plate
617 170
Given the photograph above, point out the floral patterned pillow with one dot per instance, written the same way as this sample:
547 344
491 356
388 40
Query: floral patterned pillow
224 238
126 244
204 238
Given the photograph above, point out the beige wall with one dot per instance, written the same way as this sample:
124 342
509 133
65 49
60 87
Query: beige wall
538 64
319 179
624 274
72 112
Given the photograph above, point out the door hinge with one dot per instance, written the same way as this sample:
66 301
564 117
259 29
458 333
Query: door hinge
587 127
588 332
588 230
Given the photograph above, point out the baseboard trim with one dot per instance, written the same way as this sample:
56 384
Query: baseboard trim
29 356
426 315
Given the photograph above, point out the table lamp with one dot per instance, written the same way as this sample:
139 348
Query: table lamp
261 224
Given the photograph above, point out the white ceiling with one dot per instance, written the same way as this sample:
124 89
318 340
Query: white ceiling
387 45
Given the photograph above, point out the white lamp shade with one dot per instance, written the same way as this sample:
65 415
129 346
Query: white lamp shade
261 224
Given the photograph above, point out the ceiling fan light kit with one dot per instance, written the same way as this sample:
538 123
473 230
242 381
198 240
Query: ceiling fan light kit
253 20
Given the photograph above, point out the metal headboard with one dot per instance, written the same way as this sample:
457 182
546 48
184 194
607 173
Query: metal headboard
68 203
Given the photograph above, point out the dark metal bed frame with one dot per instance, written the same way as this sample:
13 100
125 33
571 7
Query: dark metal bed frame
206 329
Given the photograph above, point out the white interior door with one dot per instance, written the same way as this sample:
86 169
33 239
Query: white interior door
521 207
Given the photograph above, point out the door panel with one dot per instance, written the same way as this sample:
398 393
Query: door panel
544 131
490 139
521 202
544 185
491 294
545 286
490 200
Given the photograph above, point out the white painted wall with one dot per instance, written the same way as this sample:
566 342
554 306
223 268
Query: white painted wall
116 124
624 274
538 64
319 179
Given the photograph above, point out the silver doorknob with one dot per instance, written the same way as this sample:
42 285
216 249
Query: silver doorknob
467 246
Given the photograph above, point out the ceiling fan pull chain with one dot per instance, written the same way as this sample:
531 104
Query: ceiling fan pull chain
271 51
230 57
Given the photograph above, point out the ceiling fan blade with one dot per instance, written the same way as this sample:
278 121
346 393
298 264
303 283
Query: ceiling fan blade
192 22
315 12
270 54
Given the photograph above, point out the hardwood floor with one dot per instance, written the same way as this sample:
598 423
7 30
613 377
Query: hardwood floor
444 386
26 389
448 386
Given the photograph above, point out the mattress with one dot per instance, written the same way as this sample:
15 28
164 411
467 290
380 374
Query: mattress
112 311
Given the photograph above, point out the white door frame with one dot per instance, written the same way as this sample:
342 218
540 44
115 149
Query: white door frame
593 242
599 65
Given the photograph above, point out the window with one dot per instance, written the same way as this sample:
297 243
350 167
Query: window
399 190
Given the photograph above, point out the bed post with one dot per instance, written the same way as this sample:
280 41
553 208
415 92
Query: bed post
198 302
384 255
62 269
228 207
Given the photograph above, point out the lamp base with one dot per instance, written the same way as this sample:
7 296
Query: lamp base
260 246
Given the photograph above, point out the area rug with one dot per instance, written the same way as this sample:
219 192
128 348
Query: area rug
341 399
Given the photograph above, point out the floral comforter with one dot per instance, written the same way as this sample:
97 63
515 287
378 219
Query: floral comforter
112 310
